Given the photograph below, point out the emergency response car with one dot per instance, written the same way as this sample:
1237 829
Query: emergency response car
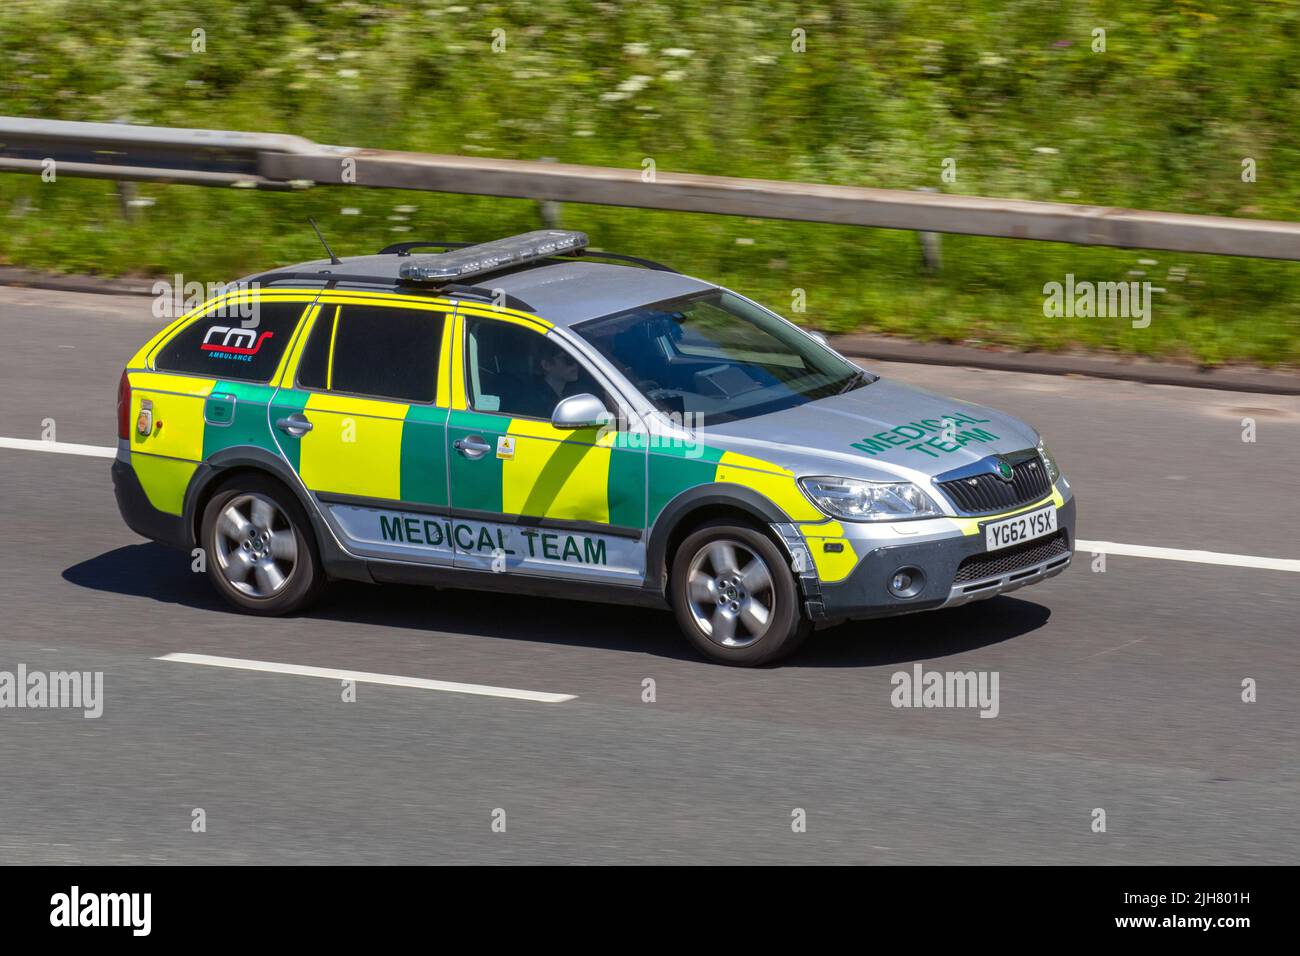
527 415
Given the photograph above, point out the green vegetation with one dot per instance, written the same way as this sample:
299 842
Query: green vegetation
884 92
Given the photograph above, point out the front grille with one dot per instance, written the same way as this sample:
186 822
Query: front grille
989 494
997 563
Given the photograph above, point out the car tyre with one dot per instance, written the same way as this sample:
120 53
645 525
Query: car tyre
735 596
259 547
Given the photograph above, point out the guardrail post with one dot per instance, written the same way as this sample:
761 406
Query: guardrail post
931 245
549 208
126 193
125 189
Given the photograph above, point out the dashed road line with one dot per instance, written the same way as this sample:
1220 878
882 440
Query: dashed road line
1195 557
58 447
363 677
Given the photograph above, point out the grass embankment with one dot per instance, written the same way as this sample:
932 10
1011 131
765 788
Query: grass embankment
882 95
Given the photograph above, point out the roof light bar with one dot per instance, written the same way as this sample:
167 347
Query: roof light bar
491 256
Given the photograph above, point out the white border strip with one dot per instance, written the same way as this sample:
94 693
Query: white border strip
1196 557
391 680
58 447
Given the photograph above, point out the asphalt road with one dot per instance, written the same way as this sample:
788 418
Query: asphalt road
1119 690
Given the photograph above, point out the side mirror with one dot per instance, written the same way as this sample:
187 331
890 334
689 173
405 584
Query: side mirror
820 337
580 411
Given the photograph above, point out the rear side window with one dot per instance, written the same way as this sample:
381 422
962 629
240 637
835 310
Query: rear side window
233 346
374 351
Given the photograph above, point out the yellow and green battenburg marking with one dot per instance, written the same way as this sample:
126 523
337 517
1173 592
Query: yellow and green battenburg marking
580 475
398 452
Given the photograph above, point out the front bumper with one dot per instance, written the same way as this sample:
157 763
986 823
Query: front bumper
865 592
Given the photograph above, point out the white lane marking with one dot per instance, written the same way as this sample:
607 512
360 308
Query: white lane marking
1107 547
58 447
1196 557
392 680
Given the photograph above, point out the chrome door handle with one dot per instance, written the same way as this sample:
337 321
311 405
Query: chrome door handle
296 424
472 446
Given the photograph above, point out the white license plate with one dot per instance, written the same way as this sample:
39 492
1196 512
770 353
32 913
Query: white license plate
1025 527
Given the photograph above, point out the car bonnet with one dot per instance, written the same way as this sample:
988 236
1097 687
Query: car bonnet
877 432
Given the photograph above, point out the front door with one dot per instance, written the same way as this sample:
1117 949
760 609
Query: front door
527 496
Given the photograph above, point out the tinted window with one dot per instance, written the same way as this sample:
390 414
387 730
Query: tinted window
515 371
719 357
387 353
233 345
314 365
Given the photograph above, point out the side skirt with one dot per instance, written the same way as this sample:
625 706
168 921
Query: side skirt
393 572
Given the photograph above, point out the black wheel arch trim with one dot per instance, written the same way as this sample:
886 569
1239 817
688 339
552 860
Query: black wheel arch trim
338 563
691 501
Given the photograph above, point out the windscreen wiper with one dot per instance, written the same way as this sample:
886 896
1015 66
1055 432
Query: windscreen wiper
860 377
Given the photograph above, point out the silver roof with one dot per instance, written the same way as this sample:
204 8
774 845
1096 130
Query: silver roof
562 293
570 292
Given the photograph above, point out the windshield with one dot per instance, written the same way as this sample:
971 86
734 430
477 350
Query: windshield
718 358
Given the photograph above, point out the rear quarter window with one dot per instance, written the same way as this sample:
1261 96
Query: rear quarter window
246 349
384 352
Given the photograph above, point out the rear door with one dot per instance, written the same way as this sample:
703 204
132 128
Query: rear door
358 418
527 496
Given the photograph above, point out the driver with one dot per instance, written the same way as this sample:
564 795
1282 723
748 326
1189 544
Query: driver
553 375
559 372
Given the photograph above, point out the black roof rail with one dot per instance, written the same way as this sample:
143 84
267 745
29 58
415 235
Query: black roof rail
333 279
637 260
404 249
479 292
321 275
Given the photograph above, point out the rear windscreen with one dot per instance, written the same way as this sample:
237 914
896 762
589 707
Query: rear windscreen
233 346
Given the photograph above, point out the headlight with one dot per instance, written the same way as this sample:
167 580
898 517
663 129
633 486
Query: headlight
855 500
1053 472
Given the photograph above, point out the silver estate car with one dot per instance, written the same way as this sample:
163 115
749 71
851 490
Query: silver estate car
529 415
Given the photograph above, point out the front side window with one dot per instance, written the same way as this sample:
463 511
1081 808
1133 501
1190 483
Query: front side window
379 352
515 371
233 345
717 357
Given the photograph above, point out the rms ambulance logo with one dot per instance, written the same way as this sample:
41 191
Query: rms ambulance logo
238 344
